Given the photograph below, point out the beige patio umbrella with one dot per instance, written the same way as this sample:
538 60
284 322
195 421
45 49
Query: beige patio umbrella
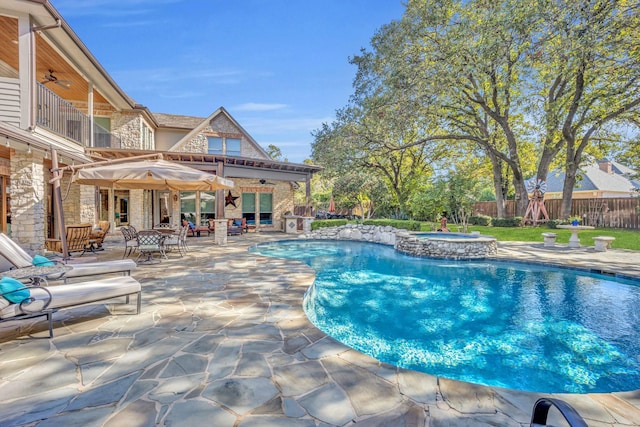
156 174
150 175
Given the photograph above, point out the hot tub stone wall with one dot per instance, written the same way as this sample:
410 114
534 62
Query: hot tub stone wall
365 233
405 242
471 248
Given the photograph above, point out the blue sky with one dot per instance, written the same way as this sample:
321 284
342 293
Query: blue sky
280 67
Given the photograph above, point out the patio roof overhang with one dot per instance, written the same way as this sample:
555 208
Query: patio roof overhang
285 171
38 142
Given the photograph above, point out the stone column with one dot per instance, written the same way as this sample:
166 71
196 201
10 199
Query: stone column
220 234
27 200
87 204
306 223
136 209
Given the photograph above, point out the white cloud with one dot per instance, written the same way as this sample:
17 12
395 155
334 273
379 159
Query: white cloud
254 106
275 126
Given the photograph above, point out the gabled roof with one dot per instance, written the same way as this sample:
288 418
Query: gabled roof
205 122
595 179
177 122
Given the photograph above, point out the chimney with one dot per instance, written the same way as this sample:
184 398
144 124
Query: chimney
606 166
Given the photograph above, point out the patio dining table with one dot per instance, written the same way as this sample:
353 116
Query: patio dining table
166 231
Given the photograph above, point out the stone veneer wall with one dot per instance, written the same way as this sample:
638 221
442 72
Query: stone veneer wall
28 200
221 125
126 126
137 210
434 247
282 199
88 205
385 235
405 242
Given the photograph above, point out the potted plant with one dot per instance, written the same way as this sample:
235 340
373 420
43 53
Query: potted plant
575 220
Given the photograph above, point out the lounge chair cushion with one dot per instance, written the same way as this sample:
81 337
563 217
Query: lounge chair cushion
94 268
13 290
41 261
14 253
75 294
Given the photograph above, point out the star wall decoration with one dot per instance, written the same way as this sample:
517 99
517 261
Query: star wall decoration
230 200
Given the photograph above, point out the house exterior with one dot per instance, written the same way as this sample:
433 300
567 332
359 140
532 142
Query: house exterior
602 179
57 100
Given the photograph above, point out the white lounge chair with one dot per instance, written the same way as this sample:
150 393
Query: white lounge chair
21 259
44 301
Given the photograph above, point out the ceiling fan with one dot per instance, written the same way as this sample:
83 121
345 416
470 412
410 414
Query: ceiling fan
50 78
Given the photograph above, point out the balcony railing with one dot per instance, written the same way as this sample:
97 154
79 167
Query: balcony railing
59 116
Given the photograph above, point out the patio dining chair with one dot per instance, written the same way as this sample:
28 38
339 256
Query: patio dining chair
182 238
130 240
163 225
150 242
172 241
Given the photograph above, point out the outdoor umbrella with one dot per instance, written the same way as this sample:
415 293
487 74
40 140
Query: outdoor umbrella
142 174
150 175
332 205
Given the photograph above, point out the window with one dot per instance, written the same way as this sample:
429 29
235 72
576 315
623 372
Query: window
147 137
214 145
188 206
101 132
266 208
207 207
233 147
249 207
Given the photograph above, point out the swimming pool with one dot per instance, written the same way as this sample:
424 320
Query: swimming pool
513 325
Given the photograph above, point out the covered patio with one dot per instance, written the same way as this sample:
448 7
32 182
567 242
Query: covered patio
222 340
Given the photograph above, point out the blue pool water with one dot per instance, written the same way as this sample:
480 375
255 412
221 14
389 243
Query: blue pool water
513 325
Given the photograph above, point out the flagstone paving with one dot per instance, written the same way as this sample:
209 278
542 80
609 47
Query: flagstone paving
222 340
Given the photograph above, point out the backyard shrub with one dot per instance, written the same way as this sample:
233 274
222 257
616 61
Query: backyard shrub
321 223
507 222
553 222
396 223
482 220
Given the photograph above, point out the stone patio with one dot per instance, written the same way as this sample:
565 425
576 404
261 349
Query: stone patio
222 341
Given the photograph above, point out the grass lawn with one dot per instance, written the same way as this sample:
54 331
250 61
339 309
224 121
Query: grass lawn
625 239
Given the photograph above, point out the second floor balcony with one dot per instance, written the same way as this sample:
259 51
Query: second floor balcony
59 116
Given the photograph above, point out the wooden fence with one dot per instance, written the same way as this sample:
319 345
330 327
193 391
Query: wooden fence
612 213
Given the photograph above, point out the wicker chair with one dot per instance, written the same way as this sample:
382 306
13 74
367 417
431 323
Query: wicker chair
98 234
78 236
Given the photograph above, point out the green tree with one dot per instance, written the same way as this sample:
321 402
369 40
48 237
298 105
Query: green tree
361 192
466 61
588 63
275 153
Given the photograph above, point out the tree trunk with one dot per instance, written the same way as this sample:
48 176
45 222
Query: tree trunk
567 191
546 158
522 196
498 186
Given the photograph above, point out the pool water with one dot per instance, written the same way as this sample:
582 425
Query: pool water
514 325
